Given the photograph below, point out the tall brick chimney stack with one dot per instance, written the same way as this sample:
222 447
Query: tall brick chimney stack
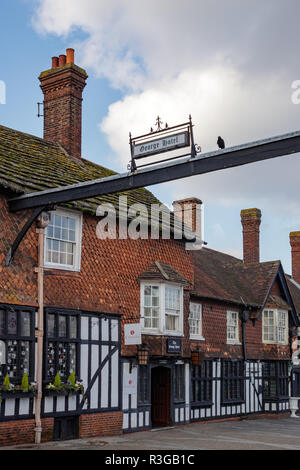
295 245
251 219
62 86
189 210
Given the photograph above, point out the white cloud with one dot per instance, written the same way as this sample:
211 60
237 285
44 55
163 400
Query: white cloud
228 64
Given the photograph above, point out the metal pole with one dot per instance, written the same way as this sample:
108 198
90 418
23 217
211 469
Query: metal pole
42 223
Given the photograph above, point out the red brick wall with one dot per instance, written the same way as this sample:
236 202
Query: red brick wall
62 88
295 246
100 424
251 221
22 431
18 283
214 316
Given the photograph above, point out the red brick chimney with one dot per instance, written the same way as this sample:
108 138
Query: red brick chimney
251 221
62 86
189 210
295 245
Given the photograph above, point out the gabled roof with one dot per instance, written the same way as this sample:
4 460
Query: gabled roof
294 288
223 277
163 272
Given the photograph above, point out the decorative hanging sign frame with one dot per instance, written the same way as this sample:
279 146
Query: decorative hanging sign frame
163 139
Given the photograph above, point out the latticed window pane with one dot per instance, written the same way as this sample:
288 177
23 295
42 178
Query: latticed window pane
25 323
232 326
12 357
195 319
179 384
143 384
233 380
269 326
202 382
151 306
62 347
16 325
282 326
172 307
72 355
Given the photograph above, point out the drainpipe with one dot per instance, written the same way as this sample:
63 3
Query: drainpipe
42 223
244 319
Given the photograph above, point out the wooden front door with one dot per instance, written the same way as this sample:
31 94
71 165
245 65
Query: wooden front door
161 397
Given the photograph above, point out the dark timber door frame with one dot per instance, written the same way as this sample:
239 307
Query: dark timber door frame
161 415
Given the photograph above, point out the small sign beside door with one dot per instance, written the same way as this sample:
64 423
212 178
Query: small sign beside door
132 333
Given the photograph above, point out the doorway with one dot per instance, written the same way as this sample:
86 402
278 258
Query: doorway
161 397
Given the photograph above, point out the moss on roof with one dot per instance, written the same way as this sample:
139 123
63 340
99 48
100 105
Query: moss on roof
29 164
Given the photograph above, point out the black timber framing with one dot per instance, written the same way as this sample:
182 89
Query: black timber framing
260 150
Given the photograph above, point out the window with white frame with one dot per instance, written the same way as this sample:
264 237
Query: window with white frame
172 308
275 326
162 308
195 321
62 240
151 307
232 327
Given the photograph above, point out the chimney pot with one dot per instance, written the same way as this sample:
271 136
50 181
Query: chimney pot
62 60
63 87
70 56
251 219
54 62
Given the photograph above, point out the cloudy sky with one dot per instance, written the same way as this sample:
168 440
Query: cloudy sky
228 63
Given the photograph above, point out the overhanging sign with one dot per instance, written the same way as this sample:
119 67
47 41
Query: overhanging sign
163 139
164 144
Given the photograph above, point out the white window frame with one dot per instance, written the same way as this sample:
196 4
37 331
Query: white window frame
78 236
196 336
235 340
161 330
285 341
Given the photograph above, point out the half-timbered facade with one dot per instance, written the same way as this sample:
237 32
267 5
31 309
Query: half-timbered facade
215 329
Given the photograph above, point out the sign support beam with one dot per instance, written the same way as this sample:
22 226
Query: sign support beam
184 167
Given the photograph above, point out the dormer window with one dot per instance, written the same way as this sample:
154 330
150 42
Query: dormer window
162 300
162 308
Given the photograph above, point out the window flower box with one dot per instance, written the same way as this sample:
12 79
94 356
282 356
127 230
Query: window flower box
17 394
71 387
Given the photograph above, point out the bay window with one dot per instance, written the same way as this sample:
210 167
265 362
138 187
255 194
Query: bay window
162 308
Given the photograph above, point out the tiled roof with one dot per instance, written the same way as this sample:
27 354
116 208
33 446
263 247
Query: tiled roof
294 289
29 163
222 277
162 271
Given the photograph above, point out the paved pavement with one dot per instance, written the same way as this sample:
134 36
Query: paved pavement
250 434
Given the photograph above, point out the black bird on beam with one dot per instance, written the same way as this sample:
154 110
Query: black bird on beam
221 143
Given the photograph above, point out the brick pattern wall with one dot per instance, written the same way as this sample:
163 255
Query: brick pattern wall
100 424
295 245
18 283
22 431
251 219
214 316
62 88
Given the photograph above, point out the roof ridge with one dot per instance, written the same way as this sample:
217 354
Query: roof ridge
41 139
